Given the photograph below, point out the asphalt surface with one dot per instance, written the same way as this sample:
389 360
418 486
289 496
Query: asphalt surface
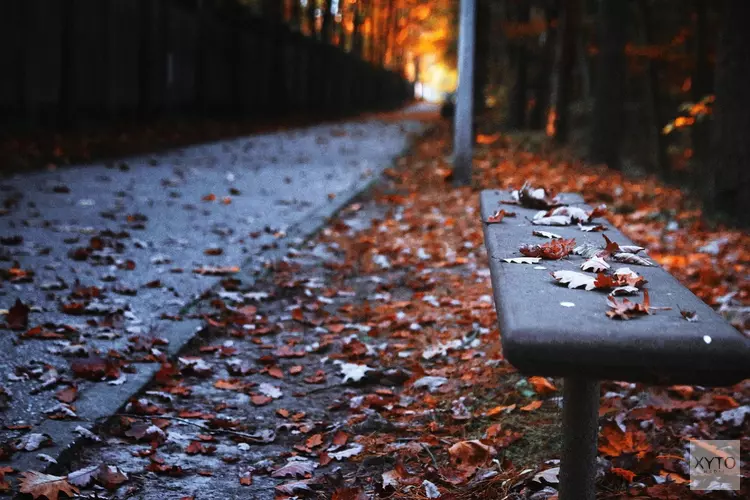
124 240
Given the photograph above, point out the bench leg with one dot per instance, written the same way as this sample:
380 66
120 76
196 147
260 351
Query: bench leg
580 431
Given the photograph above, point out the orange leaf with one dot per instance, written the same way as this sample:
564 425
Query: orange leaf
623 473
314 440
542 386
260 399
500 409
534 405
614 442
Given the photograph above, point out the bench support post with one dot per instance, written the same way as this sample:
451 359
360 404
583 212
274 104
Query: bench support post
580 431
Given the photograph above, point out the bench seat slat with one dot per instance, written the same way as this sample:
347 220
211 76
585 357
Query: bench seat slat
542 337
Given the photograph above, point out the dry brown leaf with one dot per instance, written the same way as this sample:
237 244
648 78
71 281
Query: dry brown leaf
38 484
469 455
552 250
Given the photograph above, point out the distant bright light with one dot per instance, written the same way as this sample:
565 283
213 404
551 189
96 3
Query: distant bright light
437 79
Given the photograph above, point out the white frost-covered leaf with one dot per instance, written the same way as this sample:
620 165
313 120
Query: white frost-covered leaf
631 258
431 382
523 260
631 248
552 220
626 271
547 234
576 214
575 279
295 466
595 264
587 250
83 432
82 477
62 409
32 442
256 296
430 490
270 390
549 476
354 450
353 372
624 290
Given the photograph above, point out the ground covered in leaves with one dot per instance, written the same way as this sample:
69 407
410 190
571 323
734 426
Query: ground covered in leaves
367 363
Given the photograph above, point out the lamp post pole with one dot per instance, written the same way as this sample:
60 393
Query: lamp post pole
463 121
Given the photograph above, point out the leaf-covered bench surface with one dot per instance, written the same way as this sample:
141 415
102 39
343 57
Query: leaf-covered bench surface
562 314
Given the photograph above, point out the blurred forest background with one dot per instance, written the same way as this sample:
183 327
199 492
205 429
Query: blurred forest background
648 86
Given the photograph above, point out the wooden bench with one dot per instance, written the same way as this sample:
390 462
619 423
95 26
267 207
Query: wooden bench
548 329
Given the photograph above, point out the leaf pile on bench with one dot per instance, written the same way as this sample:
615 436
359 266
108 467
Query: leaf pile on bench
622 281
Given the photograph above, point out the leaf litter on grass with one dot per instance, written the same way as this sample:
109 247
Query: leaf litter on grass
341 339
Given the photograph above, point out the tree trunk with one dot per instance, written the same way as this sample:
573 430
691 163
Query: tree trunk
482 34
542 85
566 46
312 16
390 20
519 91
296 15
273 10
727 185
609 88
701 85
327 32
657 123
357 33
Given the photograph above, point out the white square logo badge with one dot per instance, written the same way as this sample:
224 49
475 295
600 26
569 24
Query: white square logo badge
714 465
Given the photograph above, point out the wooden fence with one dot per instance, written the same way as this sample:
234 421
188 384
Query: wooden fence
67 62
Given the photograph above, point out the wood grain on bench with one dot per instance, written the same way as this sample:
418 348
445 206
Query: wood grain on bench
542 337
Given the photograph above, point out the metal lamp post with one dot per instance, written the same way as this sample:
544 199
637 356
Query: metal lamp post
463 121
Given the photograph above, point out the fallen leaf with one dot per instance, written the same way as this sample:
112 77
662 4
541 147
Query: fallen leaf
17 317
631 258
314 440
575 279
538 198
542 386
498 216
353 372
470 455
38 485
614 441
626 309
523 260
595 264
552 250
430 490
534 405
627 475
557 220
83 477
260 399
354 450
690 316
548 476
295 467
545 234
67 395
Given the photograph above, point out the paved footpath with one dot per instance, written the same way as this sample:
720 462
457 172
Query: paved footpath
110 257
